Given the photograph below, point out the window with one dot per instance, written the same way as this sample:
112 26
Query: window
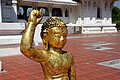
57 12
45 10
66 13
24 12
8 2
20 13
29 11
98 13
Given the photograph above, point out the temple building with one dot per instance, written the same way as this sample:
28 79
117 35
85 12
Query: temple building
81 16
84 16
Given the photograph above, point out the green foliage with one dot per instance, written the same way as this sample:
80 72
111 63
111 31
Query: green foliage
118 24
116 16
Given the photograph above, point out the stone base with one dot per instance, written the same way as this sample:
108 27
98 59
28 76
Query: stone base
91 28
109 29
2 71
11 33
11 28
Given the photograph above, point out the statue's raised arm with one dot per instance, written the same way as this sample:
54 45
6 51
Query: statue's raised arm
28 35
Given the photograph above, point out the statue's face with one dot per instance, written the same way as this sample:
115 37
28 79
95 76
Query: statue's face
57 37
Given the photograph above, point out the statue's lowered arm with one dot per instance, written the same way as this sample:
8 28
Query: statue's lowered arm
72 72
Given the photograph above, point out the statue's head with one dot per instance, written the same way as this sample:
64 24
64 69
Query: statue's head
54 33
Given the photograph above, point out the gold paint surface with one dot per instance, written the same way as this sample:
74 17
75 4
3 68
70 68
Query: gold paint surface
56 63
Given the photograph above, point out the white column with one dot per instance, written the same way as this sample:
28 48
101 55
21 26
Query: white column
70 14
14 5
34 5
63 12
0 12
50 11
50 7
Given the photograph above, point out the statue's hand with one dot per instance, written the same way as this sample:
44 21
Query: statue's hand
35 17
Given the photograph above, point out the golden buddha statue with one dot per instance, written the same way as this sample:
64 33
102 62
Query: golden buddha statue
56 63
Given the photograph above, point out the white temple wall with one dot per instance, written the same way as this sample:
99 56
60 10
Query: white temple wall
94 15
72 14
87 12
79 11
14 6
107 8
86 9
83 10
106 11
9 12
90 11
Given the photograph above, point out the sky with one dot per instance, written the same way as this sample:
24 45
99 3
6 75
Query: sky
117 4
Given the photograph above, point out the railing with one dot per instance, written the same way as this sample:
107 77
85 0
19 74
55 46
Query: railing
94 21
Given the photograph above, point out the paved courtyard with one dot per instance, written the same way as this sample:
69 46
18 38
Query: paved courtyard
93 55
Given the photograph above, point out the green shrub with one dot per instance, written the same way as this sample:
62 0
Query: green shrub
117 24
116 17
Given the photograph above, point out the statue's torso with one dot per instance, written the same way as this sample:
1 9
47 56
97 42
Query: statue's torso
57 65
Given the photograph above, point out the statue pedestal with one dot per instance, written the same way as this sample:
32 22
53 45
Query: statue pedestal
0 66
1 69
